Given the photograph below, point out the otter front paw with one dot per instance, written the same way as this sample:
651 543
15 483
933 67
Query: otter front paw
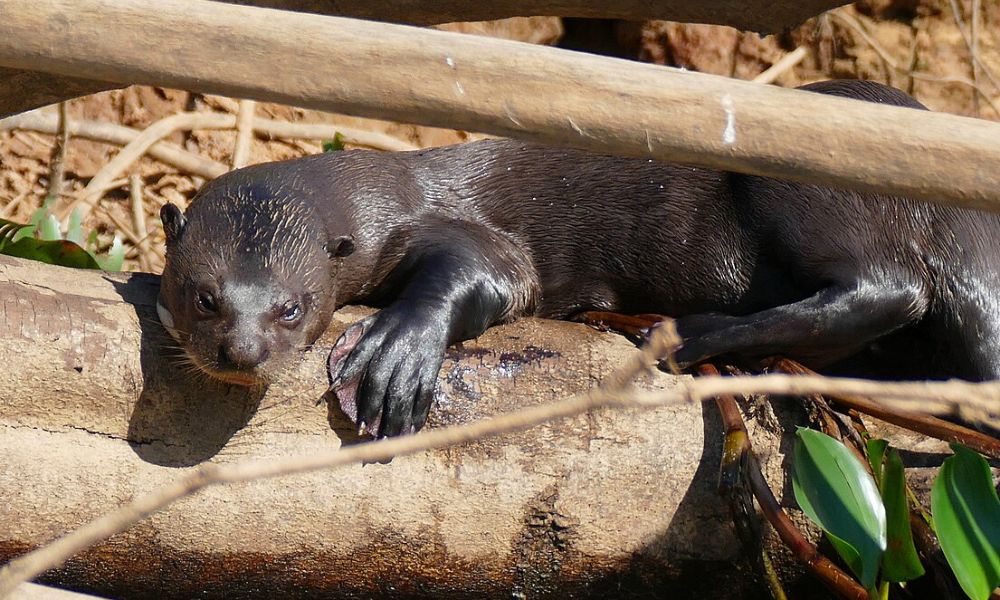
383 370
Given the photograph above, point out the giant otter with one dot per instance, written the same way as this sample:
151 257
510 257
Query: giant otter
453 240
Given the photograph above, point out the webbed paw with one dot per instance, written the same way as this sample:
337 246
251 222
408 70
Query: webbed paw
383 370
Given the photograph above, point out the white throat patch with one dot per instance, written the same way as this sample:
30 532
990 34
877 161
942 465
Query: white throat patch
167 319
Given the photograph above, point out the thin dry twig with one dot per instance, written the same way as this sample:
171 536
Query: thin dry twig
972 42
223 103
90 195
976 403
57 166
45 121
139 221
855 25
313 131
325 131
121 226
244 133
34 591
927 425
12 206
786 63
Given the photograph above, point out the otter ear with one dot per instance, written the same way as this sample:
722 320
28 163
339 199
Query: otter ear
340 246
173 223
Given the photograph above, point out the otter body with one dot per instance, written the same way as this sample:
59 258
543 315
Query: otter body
453 240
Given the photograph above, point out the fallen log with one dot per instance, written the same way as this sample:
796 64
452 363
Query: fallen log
94 410
507 88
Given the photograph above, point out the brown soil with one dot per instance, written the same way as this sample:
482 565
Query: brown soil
915 45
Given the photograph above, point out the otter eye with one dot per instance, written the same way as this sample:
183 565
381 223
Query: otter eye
206 302
292 311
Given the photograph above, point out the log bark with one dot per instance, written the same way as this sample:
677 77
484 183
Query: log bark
93 410
506 88
22 90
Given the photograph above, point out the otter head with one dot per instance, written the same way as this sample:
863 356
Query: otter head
250 280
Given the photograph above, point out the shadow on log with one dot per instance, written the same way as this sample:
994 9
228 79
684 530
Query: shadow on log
94 410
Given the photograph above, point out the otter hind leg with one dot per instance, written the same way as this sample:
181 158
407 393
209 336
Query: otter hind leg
832 323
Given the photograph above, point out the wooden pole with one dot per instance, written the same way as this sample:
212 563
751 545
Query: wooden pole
23 90
757 15
537 93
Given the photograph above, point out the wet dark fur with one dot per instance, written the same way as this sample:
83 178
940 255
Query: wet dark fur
453 240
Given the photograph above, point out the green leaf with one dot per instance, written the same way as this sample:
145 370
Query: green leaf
25 231
18 240
113 260
48 229
835 490
11 232
900 561
334 145
74 229
57 252
37 216
967 520
876 453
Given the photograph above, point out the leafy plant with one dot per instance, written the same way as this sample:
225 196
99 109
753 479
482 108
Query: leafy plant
835 490
334 145
966 515
900 561
41 239
868 519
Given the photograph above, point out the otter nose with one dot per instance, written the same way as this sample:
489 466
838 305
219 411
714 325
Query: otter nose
242 352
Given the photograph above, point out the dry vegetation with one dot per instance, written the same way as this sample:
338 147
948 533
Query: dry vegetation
944 52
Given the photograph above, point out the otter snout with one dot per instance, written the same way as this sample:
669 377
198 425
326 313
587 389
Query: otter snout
243 353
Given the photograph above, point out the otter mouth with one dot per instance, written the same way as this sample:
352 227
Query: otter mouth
240 378
246 378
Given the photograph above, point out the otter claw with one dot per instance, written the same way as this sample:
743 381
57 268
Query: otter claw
342 349
362 429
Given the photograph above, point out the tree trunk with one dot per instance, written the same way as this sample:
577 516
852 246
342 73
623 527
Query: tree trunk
94 410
